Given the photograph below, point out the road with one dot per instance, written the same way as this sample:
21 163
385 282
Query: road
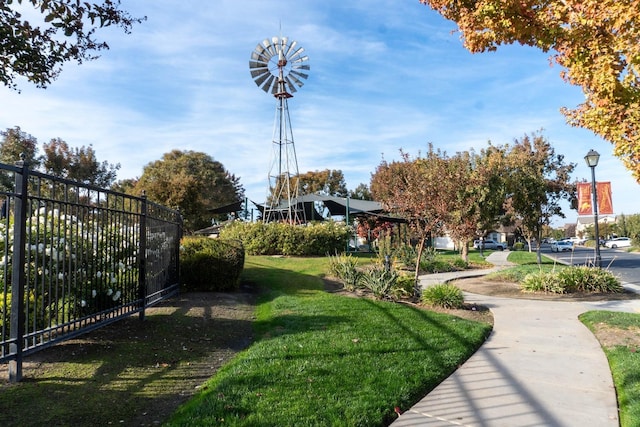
625 265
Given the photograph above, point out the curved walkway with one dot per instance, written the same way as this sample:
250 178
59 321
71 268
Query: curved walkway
540 367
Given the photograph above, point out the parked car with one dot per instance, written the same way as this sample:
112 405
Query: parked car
489 244
562 246
618 242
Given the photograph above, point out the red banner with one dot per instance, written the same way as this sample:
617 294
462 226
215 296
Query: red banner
605 199
584 199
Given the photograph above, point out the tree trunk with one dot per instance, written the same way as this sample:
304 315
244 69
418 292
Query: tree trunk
416 284
464 251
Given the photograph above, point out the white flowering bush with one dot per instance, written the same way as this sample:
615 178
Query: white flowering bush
74 267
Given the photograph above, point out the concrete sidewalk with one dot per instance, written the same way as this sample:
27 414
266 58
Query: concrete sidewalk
540 367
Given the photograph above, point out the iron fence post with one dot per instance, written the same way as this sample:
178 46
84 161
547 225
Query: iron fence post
18 316
142 257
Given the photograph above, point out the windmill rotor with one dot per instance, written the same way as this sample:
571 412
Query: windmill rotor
278 66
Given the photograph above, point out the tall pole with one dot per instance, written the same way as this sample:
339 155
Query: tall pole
595 216
592 159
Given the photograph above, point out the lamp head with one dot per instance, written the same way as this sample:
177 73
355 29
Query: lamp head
592 158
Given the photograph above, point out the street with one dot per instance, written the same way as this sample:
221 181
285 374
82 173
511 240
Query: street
625 265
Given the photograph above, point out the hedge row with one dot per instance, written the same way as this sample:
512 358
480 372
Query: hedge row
315 239
210 264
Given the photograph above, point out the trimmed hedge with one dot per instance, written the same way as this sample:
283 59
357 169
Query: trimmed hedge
210 264
275 238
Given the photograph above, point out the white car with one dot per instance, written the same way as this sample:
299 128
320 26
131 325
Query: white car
489 244
562 246
618 242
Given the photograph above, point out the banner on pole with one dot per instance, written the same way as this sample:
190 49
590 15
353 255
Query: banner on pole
585 200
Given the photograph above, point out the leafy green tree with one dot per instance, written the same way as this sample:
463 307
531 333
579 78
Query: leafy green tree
475 196
326 182
595 41
538 180
191 181
67 33
77 164
16 145
361 192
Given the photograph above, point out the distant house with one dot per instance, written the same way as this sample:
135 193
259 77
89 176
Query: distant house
586 221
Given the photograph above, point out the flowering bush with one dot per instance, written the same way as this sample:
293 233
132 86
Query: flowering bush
75 265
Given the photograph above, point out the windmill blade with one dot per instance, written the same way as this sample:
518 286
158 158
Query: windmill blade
255 65
299 74
268 47
275 88
258 72
262 78
290 48
301 67
292 88
298 82
297 53
267 86
300 59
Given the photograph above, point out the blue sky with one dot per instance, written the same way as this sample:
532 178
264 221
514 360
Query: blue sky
385 75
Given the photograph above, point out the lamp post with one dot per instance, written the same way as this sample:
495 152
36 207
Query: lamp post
592 159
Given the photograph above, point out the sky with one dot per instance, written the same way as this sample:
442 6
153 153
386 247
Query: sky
386 75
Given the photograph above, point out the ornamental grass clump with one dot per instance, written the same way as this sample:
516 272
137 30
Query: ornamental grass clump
589 279
542 281
443 295
572 279
344 267
379 281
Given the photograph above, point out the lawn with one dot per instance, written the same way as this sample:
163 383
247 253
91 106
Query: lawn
623 353
323 359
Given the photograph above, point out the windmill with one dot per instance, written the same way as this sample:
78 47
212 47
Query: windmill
278 66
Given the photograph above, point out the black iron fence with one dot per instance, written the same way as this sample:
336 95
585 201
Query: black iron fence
75 257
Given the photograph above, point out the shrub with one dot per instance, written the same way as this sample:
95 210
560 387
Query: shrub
443 295
314 239
518 246
572 279
406 254
344 267
542 281
589 279
404 286
379 281
211 264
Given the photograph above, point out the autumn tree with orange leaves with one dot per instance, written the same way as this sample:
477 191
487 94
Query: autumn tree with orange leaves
597 42
415 190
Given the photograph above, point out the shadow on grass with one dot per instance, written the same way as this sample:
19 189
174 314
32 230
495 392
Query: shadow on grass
130 372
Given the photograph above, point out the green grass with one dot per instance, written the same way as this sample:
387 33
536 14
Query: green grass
526 263
322 359
624 361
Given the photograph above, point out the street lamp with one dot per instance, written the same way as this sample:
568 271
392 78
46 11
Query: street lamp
592 159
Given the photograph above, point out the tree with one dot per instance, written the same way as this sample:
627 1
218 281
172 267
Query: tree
537 180
596 42
17 145
77 164
67 33
326 182
475 195
191 181
361 192
412 189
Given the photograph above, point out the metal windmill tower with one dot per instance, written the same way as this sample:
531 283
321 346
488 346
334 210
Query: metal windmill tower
277 66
